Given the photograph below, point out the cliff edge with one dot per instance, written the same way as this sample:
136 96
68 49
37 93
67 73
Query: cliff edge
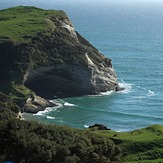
40 50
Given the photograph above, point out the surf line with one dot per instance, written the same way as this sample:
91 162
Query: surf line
62 102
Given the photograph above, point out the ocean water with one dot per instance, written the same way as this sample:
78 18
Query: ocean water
131 34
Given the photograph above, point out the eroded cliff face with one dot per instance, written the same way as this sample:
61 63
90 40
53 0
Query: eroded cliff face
59 61
74 67
71 80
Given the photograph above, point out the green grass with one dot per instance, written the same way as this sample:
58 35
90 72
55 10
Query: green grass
21 23
20 93
143 145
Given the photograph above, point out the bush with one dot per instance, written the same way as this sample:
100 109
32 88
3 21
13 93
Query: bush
32 142
6 102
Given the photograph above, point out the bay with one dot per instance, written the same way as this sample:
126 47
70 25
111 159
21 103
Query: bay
131 34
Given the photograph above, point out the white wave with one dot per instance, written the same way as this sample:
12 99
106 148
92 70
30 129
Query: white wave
48 109
150 93
62 103
49 117
102 94
127 87
57 103
86 126
106 93
68 104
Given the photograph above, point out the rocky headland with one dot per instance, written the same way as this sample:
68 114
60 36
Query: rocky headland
41 54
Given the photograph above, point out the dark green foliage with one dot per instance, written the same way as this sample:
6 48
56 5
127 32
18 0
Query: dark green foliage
6 102
7 108
6 114
32 142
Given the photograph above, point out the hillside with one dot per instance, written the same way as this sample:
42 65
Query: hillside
30 142
40 50
42 54
139 146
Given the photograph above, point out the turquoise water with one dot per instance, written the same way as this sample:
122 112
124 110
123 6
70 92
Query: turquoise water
131 34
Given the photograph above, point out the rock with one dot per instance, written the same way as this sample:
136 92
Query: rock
57 60
119 88
80 69
19 116
36 104
99 127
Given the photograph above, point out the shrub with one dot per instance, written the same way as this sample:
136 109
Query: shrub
33 142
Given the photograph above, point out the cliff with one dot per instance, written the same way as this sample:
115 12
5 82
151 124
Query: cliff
41 50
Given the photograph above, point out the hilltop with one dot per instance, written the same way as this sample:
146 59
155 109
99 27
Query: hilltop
20 24
41 53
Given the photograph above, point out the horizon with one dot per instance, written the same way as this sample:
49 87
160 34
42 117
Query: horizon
50 4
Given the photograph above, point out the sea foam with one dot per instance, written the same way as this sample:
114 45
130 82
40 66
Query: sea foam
127 87
48 109
68 104
49 117
150 93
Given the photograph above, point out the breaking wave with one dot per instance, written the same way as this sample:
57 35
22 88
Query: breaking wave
49 117
127 87
48 109
68 104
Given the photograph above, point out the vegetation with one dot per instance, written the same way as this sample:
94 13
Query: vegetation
24 141
6 102
19 27
143 145
20 94
30 39
20 24
32 142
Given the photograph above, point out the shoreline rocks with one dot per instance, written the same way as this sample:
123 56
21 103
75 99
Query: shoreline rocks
57 60
37 104
99 127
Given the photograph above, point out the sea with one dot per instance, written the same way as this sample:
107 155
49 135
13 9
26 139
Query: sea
130 33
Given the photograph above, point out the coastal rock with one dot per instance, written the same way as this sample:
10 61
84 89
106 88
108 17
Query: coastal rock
36 104
99 127
73 66
56 61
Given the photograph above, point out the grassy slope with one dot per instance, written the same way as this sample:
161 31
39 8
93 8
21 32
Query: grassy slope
143 145
21 23
30 38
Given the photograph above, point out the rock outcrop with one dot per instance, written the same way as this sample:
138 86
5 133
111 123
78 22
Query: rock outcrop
98 127
56 60
36 104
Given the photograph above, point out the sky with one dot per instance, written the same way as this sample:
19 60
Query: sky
75 8
73 3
